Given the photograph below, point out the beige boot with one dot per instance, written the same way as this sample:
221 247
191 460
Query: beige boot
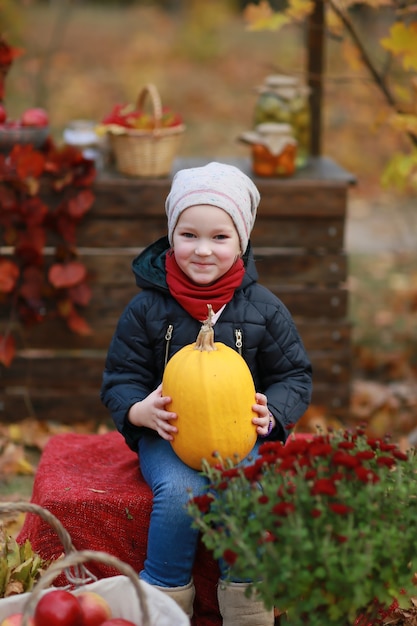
238 610
183 596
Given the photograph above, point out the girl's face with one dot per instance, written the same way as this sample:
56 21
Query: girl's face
205 243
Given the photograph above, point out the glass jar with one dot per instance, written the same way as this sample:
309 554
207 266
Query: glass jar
274 149
284 100
82 135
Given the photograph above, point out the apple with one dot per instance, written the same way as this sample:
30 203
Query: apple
58 608
16 620
34 117
3 114
118 621
95 608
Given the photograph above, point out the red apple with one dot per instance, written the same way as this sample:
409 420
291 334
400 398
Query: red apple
3 114
118 621
35 117
58 608
16 620
95 608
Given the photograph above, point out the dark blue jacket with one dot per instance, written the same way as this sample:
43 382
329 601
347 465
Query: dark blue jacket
154 326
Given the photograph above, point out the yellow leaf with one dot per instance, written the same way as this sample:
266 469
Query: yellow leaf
298 10
14 588
333 22
404 123
351 55
403 42
255 12
24 468
402 94
15 433
261 17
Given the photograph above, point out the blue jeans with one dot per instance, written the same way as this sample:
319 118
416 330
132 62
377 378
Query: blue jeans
172 542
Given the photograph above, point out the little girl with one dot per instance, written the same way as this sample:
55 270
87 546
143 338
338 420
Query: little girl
206 259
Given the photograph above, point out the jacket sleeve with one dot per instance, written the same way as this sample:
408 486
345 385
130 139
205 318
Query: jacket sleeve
129 373
285 372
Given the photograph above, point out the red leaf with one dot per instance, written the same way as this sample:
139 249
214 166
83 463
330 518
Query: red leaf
29 163
78 206
66 275
33 211
78 324
8 200
80 294
9 273
8 53
32 287
30 244
7 349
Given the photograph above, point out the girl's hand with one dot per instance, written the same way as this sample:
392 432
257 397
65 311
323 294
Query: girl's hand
264 416
151 413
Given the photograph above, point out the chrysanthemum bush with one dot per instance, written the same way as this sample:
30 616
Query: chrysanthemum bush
326 527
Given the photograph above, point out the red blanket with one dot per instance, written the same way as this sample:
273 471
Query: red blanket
93 485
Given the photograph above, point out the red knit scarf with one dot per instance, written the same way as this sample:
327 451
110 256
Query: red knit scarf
194 298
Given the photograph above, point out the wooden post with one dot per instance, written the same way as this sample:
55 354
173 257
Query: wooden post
315 69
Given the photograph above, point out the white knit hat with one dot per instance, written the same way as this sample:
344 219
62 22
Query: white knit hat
216 184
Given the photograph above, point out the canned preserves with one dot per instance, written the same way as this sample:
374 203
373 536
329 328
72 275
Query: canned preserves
284 100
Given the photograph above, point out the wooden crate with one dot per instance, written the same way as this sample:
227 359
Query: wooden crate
298 241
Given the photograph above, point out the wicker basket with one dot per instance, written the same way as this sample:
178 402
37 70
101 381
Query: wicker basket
147 153
128 597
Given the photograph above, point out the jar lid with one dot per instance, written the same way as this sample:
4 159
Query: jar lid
81 133
272 128
281 80
273 136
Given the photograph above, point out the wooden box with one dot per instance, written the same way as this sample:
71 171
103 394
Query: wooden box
298 242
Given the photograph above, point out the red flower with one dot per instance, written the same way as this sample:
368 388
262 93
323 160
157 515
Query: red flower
346 445
318 448
315 513
345 459
283 508
401 456
386 461
229 556
267 537
271 448
296 446
365 455
366 475
263 499
252 472
324 486
203 502
288 463
230 473
340 509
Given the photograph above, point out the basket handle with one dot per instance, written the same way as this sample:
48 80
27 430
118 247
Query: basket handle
47 516
151 90
64 536
77 558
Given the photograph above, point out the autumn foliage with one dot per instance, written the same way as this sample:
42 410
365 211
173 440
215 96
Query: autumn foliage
44 194
394 77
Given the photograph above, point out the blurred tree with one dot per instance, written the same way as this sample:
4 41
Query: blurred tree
390 61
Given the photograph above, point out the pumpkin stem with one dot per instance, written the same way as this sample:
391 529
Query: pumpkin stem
205 339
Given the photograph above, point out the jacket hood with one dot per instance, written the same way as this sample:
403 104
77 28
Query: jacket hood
149 266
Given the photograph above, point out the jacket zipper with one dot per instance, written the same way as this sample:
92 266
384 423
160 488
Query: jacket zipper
168 336
238 340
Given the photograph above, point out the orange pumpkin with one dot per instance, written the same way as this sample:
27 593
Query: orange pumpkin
212 393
